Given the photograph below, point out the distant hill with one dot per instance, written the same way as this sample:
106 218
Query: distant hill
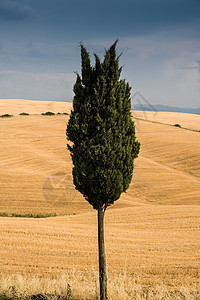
159 107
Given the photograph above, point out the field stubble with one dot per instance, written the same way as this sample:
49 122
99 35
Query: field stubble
152 232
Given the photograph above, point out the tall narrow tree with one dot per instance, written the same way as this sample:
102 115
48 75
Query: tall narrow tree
103 139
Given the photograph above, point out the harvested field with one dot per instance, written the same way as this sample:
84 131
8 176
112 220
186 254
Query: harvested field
190 121
152 232
17 106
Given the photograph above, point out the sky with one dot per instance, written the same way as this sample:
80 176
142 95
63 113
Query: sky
159 39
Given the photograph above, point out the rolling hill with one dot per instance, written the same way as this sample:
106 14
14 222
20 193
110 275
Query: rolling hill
151 232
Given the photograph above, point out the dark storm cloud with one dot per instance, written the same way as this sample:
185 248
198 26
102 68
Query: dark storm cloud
114 17
80 20
12 11
158 37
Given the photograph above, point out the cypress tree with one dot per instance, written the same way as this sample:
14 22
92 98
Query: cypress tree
103 139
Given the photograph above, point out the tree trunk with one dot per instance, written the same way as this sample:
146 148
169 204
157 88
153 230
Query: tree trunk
102 256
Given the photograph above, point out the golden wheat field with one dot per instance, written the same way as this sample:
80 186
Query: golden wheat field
152 232
189 121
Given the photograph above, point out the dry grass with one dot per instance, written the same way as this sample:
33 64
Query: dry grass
157 243
152 232
76 286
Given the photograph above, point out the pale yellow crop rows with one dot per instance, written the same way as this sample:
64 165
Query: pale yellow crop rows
152 232
159 243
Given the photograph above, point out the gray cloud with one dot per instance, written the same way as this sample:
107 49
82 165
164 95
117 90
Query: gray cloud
13 11
189 68
41 86
39 57
88 19
135 17
198 61
158 38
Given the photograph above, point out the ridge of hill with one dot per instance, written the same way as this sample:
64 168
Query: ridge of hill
33 153
17 106
160 107
151 232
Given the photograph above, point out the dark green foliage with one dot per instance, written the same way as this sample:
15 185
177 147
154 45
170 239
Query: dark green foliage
69 291
16 215
10 294
102 131
48 113
6 116
24 114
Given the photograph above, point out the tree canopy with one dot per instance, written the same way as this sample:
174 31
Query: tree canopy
101 130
